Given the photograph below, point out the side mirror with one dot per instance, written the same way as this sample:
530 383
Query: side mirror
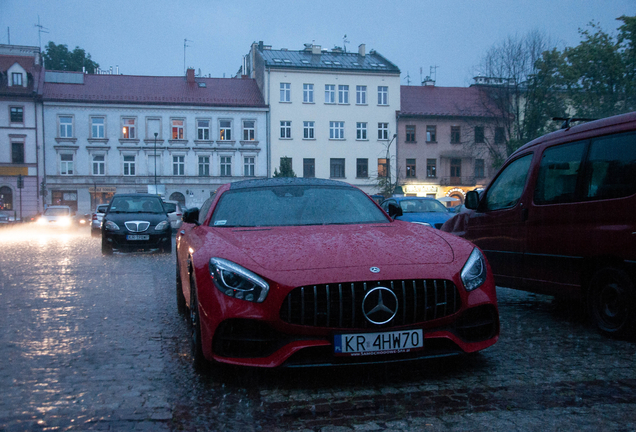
472 200
395 211
191 215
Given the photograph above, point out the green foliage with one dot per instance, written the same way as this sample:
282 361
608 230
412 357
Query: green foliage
285 168
58 57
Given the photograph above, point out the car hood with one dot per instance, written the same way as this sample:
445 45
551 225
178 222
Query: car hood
335 246
153 218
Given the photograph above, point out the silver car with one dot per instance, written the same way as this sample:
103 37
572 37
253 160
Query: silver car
175 212
96 220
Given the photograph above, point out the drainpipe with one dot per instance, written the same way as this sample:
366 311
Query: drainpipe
268 126
37 154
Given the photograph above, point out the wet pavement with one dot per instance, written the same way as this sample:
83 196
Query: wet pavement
95 343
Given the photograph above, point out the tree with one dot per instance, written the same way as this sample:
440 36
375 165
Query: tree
285 168
58 57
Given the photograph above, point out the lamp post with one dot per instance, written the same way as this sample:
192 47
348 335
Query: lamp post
156 161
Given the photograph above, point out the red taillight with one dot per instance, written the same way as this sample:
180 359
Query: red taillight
94 217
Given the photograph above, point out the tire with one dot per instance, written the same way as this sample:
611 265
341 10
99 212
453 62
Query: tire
611 302
167 249
95 233
181 302
107 249
196 345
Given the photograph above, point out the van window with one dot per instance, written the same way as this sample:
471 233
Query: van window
508 186
611 167
558 173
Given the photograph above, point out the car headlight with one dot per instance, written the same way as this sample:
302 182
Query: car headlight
111 226
423 223
64 221
42 221
162 226
474 272
238 282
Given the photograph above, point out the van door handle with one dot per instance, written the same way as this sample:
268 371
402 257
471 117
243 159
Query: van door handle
524 215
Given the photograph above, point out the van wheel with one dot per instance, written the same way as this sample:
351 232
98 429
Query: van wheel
611 302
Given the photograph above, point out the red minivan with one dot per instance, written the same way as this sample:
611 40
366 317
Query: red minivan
559 218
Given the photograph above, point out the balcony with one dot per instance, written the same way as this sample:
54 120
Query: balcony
457 181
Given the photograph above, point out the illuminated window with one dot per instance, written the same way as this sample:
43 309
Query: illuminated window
178 129
225 130
128 128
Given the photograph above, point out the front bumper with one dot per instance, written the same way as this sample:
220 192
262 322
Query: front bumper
120 242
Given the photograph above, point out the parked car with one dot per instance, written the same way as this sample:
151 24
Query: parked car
57 216
175 213
301 272
96 220
559 219
136 222
4 220
426 211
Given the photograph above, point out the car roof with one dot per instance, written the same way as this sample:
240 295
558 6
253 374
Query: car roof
137 195
412 198
58 206
286 181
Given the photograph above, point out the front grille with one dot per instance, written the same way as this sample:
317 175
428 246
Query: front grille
340 305
137 226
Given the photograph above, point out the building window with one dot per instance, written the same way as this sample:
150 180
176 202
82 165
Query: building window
343 94
308 130
16 78
128 128
225 130
383 167
249 165
129 165
285 129
410 168
456 168
337 168
480 170
361 130
336 130
308 93
383 95
330 93
177 129
431 134
285 92
500 136
178 165
99 165
309 168
66 126
479 134
249 130
362 168
6 198
431 168
203 130
17 115
17 153
66 164
410 133
361 95
98 127
226 166
204 166
455 135
383 131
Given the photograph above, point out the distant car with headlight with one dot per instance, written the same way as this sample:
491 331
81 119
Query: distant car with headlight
311 272
136 222
57 216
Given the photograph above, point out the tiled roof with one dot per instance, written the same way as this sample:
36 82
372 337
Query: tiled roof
445 101
157 90
371 62
28 64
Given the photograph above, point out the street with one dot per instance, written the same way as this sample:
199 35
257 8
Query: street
95 343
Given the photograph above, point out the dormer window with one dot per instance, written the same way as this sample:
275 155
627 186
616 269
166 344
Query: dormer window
16 78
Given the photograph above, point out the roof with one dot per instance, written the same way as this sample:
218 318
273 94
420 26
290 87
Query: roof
445 101
330 60
154 90
29 65
286 181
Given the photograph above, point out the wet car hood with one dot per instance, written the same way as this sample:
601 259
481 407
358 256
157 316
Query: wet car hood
335 246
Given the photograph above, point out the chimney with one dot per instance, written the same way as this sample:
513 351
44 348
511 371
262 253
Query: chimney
361 50
316 49
190 76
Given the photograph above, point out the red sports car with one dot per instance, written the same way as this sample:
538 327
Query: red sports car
311 272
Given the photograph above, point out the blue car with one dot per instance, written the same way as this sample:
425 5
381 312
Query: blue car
426 211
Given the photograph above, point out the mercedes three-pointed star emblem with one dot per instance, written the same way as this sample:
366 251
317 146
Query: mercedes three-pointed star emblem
379 305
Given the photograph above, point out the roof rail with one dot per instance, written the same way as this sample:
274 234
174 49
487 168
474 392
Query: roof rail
567 120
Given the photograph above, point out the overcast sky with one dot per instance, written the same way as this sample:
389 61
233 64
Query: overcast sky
147 37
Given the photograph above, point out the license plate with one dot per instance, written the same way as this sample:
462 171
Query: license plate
394 342
137 237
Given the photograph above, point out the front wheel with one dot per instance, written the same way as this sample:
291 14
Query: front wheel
611 302
181 303
107 248
195 329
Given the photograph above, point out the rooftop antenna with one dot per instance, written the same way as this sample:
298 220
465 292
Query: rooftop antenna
344 43
185 45
433 72
41 29
421 77
408 78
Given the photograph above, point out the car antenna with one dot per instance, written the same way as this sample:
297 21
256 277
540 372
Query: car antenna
567 120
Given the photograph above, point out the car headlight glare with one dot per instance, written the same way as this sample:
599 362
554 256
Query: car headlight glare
64 221
42 221
162 226
111 226
473 273
238 282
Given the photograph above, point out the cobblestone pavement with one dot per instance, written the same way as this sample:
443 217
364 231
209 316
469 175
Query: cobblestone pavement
95 343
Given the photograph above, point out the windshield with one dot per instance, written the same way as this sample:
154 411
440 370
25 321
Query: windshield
422 206
294 206
57 212
170 207
136 205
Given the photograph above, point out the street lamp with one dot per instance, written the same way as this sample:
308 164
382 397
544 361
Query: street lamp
156 161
